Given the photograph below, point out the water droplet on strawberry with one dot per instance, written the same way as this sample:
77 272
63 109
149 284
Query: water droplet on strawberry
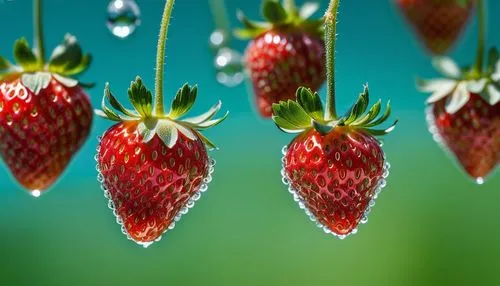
229 67
123 17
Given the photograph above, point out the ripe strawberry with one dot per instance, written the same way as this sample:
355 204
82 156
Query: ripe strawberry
464 114
335 169
152 165
472 134
438 23
45 116
39 133
286 52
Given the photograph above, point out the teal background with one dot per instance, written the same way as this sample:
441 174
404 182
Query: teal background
431 225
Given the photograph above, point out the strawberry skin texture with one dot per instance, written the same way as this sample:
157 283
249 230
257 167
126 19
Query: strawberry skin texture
335 175
472 134
149 183
279 63
39 134
437 23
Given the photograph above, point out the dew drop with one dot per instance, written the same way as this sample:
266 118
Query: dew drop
480 181
218 40
229 67
123 17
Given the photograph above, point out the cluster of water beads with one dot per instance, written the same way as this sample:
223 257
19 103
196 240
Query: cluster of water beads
431 123
123 17
381 184
184 210
228 63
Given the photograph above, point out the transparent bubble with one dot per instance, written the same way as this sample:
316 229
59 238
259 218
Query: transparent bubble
218 40
123 17
229 67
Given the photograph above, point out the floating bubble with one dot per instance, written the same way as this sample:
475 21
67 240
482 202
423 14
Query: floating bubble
229 67
123 17
218 40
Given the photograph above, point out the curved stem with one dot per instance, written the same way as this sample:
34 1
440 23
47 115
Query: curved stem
160 57
481 14
221 18
38 27
330 38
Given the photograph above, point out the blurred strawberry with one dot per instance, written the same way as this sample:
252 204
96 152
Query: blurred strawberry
465 114
45 115
286 52
438 23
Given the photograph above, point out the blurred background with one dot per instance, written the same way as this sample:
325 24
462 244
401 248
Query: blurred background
431 225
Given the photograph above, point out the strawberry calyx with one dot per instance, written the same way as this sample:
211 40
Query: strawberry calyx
457 83
67 60
165 126
285 17
307 112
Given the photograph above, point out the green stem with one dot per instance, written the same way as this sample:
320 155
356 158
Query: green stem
330 38
481 14
160 57
38 27
221 18
290 6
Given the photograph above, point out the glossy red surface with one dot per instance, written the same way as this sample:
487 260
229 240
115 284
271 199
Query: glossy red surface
39 134
280 63
336 175
149 183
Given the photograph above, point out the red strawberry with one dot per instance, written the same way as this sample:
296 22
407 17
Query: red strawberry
153 165
335 168
285 53
45 116
149 183
39 133
336 176
464 112
438 23
472 134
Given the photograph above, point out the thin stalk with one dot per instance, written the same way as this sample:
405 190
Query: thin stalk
160 57
481 14
221 18
38 28
330 38
290 6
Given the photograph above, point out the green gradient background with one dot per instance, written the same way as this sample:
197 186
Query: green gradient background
431 225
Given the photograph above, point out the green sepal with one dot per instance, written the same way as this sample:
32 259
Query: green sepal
290 117
311 103
308 9
274 12
36 82
493 58
359 107
25 57
68 58
183 101
251 29
381 132
210 145
205 116
4 64
141 98
211 123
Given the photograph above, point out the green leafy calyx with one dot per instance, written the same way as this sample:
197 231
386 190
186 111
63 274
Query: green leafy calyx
67 61
285 17
307 112
168 126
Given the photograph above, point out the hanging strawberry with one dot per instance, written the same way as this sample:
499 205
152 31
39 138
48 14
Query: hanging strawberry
286 52
438 23
45 115
335 167
464 109
153 165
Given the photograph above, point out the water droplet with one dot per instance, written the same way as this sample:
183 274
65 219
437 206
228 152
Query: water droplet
123 17
229 67
480 181
218 40
36 193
